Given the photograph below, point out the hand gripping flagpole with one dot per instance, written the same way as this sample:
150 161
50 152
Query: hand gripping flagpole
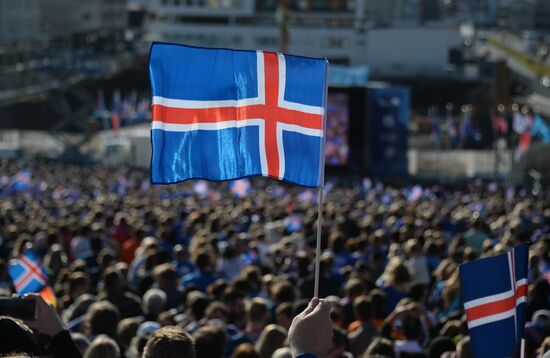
321 191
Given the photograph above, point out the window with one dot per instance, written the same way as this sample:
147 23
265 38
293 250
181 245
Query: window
267 40
335 42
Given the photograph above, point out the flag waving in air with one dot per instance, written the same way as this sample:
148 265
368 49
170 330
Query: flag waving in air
494 291
222 114
28 276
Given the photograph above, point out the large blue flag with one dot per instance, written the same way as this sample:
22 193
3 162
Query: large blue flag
494 291
222 114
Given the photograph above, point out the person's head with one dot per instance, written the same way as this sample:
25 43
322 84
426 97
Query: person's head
283 352
283 291
143 333
412 248
55 258
81 341
411 327
439 346
166 276
378 300
464 348
210 341
336 242
397 272
541 291
284 314
217 310
78 284
353 288
234 299
154 301
418 292
380 347
271 338
79 307
102 347
197 302
362 308
204 263
126 330
113 283
257 311
102 318
245 350
169 342
16 337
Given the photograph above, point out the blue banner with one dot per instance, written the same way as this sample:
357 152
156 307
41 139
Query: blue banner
388 116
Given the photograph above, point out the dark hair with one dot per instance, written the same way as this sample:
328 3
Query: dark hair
102 318
411 327
417 291
15 337
112 279
285 308
378 300
210 341
203 261
439 346
257 309
198 302
283 292
169 342
362 306
166 273
380 347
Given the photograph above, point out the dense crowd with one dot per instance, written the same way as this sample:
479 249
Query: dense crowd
134 266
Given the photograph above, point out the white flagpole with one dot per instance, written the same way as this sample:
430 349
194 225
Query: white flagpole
522 348
321 192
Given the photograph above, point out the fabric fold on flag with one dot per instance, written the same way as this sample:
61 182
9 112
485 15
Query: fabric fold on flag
494 292
221 114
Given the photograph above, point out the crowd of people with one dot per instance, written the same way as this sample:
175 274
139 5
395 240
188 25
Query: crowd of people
171 271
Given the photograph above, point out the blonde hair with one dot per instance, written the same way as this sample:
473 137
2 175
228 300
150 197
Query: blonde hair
397 272
272 337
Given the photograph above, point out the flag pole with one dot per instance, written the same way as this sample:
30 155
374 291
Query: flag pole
522 348
321 192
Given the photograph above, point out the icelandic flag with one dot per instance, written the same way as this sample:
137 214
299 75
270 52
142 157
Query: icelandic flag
201 188
307 196
434 119
451 127
500 126
240 188
29 276
467 128
494 292
221 114
22 180
540 129
415 193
